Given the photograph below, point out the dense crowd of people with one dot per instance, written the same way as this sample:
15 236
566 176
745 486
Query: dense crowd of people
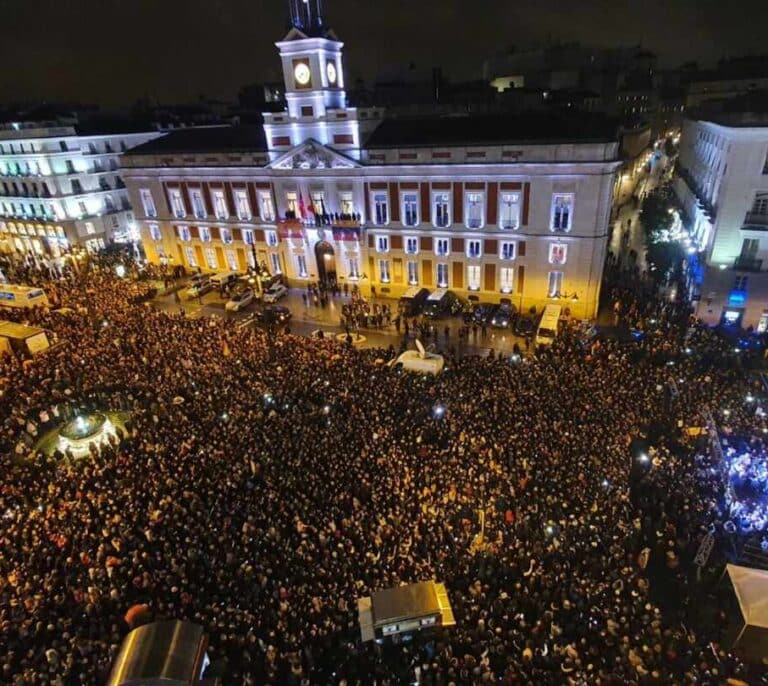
263 486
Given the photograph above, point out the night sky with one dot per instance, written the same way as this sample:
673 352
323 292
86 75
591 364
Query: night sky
114 51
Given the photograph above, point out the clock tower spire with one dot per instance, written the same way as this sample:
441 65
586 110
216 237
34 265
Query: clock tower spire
307 16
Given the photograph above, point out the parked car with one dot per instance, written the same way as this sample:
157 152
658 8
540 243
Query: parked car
504 315
524 326
274 314
240 300
443 303
199 285
274 293
480 313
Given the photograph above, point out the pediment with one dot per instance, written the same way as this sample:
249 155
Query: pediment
313 155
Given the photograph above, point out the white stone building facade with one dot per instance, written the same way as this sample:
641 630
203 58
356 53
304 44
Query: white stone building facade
60 189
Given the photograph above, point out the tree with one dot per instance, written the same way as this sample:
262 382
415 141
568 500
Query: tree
655 213
670 150
662 252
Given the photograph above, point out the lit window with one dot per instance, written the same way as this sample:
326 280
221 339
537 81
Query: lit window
441 206
154 232
475 210
274 260
554 284
411 245
507 250
301 266
354 272
210 258
248 236
220 205
292 204
89 228
562 212
441 247
558 253
198 207
413 273
346 204
442 274
226 236
380 208
148 203
267 206
232 260
382 243
509 211
205 234
243 206
474 249
506 279
271 238
318 202
410 209
184 234
384 271
473 277
177 204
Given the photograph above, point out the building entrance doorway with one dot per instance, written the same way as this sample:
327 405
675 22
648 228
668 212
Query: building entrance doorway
326 264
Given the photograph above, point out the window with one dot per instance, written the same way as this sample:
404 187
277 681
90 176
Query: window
248 236
765 164
760 206
210 258
413 273
346 204
242 206
80 206
267 206
89 228
354 272
441 247
301 266
411 245
318 202
506 279
562 212
473 277
184 233
509 211
380 209
475 210
740 284
226 236
148 203
440 204
271 238
555 284
177 204
232 260
442 274
198 208
558 253
292 204
473 249
410 209
205 234
507 250
382 243
274 261
384 271
220 205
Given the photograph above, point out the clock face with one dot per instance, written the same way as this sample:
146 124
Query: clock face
331 71
302 74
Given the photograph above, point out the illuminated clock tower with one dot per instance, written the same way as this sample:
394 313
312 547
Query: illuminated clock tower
314 87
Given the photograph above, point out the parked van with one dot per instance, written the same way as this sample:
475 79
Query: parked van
547 331
12 295
442 303
412 302
224 280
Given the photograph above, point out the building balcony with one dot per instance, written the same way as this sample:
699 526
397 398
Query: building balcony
748 264
757 221
709 209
